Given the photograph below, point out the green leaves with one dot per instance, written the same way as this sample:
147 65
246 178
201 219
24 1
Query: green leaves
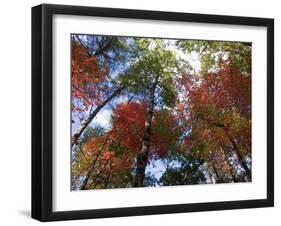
184 104
213 53
153 59
118 149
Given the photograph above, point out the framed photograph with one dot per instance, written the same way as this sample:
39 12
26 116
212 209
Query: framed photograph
146 112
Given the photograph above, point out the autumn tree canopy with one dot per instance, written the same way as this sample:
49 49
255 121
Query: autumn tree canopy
144 114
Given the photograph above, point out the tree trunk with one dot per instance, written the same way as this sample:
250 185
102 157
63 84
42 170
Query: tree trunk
93 164
143 155
215 171
235 147
210 172
193 169
85 123
240 158
233 174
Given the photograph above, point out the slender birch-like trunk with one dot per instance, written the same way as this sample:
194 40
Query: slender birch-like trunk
142 157
85 123
93 164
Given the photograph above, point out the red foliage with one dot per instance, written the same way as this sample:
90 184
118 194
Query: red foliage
222 91
128 129
87 79
128 125
217 105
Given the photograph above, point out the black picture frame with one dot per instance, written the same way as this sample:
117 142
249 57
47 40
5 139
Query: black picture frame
42 108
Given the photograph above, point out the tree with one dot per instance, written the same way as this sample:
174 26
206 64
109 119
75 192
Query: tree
92 115
92 85
182 169
218 108
153 68
212 54
87 78
192 125
122 144
130 129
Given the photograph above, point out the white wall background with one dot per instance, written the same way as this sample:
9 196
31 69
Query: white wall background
15 111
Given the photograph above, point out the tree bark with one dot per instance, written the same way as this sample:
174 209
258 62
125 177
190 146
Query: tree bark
143 155
235 147
240 158
85 181
233 174
215 171
85 123
193 169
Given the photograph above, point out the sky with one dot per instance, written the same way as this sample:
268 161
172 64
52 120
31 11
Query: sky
103 118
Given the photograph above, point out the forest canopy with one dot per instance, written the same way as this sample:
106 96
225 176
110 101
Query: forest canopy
149 112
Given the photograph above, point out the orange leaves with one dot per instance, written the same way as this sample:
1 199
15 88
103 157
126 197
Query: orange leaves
128 129
98 152
106 156
216 106
224 89
128 125
132 113
87 78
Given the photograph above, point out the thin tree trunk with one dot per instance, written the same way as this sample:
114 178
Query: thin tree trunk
232 173
193 169
217 177
108 177
97 175
85 181
143 155
240 158
210 172
238 154
235 147
85 123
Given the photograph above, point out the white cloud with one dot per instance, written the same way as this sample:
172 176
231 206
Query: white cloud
103 119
